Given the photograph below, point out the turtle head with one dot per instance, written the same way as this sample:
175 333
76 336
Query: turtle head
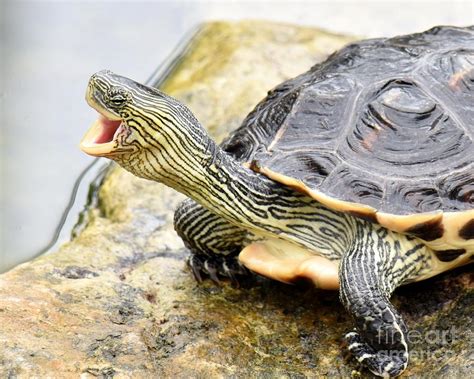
140 127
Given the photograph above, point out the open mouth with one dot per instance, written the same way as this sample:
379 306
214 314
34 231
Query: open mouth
102 137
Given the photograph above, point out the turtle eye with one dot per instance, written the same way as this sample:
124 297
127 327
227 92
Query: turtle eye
117 96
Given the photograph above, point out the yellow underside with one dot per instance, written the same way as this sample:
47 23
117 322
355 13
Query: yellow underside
288 263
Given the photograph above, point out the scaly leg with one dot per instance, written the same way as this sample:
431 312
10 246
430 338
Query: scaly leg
378 262
214 243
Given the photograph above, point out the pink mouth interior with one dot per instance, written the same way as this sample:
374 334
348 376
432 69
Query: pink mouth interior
108 129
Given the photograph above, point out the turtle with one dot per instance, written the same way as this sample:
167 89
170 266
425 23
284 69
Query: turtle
357 176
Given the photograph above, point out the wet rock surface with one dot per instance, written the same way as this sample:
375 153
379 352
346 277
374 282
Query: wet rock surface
117 301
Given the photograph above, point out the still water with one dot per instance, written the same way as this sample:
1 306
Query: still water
49 50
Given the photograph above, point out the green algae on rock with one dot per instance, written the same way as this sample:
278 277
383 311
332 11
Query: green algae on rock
117 301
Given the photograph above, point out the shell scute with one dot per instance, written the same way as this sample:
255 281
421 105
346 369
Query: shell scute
308 166
422 196
457 189
319 112
401 131
357 185
382 129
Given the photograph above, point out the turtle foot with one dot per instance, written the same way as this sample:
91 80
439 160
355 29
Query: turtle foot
217 268
384 363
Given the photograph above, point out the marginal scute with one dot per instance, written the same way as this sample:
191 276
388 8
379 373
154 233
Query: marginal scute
449 255
428 231
331 202
467 231
401 223
309 166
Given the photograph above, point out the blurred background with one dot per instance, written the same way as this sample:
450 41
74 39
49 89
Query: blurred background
48 50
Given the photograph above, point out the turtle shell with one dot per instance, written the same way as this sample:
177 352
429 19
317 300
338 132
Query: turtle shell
382 129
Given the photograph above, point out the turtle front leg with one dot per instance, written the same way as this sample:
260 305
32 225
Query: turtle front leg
378 262
214 243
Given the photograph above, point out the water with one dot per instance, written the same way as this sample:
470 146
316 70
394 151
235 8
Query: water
49 50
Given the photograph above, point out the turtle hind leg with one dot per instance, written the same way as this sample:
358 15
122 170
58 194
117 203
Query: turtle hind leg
214 243
377 262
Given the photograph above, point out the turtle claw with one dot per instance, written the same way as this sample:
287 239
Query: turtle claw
387 364
217 268
195 267
233 279
211 270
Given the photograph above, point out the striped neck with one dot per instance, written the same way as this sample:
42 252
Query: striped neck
160 139
156 137
196 166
